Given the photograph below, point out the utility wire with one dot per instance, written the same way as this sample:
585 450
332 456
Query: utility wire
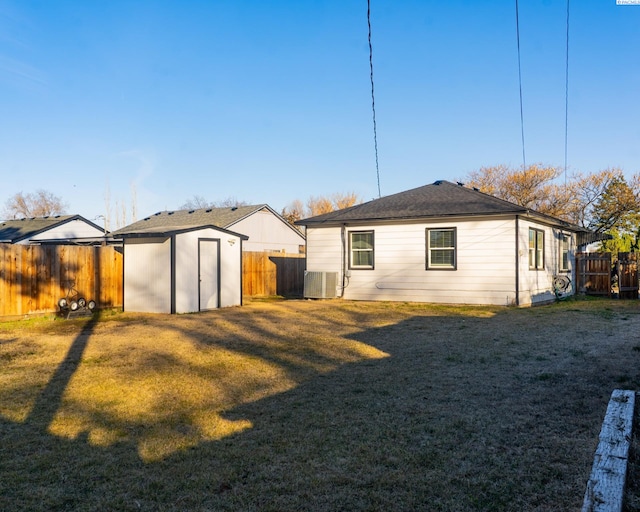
524 160
373 98
566 101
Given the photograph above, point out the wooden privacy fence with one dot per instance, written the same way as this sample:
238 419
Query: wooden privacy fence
34 277
272 273
595 274
627 272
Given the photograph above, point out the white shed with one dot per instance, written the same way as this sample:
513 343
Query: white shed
265 228
181 269
441 243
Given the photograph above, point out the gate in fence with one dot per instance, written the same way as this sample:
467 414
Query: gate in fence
596 274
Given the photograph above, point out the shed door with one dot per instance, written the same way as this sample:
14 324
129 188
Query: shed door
209 273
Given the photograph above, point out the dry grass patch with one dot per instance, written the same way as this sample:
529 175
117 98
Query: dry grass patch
312 405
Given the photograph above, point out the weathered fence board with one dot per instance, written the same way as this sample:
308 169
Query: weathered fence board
593 273
627 270
272 273
34 277
606 484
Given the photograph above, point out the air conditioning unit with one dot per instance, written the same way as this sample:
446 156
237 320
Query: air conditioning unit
320 285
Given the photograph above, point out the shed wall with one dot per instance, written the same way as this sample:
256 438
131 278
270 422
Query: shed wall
187 271
147 275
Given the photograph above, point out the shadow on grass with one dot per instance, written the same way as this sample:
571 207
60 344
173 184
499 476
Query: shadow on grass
48 402
465 414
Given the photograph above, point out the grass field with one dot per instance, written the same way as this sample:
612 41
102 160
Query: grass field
312 405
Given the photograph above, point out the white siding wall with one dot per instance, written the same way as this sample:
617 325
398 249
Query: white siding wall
72 229
187 271
147 275
267 232
536 286
230 271
485 272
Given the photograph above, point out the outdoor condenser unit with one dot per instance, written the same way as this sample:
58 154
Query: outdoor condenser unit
320 285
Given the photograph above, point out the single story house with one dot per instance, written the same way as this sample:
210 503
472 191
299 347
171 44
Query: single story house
440 243
181 269
52 229
265 228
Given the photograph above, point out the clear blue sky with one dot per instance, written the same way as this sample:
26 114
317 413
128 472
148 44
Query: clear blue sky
270 101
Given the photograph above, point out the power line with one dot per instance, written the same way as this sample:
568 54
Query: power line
373 99
566 101
524 160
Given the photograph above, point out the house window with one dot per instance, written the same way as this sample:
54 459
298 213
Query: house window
565 245
361 249
441 248
536 249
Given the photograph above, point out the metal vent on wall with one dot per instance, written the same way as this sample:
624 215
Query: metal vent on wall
320 285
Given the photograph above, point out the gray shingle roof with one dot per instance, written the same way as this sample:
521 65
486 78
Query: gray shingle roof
21 229
181 220
439 199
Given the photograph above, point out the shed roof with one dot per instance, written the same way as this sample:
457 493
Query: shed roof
17 230
169 221
437 200
162 231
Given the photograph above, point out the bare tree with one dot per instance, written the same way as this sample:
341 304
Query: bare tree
532 187
198 202
134 202
601 201
107 208
342 201
294 211
38 204
319 205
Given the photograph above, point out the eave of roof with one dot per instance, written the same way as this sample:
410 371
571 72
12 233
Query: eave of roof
165 231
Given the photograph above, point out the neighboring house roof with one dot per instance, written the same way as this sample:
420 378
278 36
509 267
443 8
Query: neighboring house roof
438 200
14 231
185 220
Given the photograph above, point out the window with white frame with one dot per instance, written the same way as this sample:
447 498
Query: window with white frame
361 249
565 247
441 248
536 249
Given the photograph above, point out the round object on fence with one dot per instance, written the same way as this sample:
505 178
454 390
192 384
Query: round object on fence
81 302
63 303
91 305
74 305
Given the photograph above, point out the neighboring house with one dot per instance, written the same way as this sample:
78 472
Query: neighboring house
52 229
441 243
266 229
181 269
